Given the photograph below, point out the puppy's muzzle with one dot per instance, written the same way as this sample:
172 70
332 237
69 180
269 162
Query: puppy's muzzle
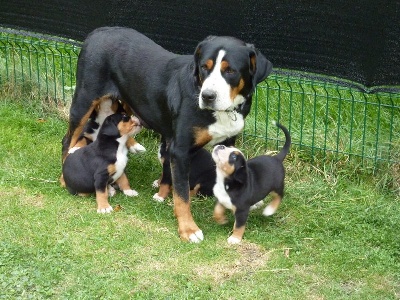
218 148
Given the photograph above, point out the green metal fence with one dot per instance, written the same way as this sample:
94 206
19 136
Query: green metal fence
326 118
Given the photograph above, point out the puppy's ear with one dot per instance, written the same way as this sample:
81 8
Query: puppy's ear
260 67
240 174
109 127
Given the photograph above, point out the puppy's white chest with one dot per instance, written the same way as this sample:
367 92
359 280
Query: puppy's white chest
221 194
122 159
228 124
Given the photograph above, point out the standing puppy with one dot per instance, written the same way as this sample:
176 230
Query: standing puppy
94 167
241 184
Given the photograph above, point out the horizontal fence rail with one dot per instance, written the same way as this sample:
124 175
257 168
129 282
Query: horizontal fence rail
324 118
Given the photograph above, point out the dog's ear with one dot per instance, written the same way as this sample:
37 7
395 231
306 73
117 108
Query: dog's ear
239 162
240 174
110 126
260 67
197 55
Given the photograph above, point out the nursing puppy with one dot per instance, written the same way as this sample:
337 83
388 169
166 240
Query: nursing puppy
90 123
202 174
242 184
94 167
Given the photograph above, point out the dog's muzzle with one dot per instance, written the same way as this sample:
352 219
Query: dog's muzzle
208 97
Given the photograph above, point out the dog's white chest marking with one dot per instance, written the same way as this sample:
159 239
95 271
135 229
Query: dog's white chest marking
228 124
220 192
122 157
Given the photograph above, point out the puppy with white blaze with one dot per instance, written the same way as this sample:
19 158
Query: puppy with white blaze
242 184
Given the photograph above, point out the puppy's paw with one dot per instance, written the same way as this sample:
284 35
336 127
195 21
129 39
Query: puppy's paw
257 205
105 210
111 191
158 198
233 240
269 210
196 237
155 184
130 193
72 150
137 148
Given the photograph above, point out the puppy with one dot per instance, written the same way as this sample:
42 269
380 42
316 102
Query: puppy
242 184
202 174
90 123
94 167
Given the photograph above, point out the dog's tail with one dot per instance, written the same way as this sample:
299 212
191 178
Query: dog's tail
285 150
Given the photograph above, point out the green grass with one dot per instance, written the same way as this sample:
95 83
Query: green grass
336 235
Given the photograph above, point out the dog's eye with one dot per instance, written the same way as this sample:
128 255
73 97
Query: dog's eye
204 67
125 118
229 70
233 156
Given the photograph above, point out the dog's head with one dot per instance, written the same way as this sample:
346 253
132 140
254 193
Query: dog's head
117 125
227 71
230 163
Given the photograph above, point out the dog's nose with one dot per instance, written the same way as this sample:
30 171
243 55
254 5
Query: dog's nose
208 96
218 147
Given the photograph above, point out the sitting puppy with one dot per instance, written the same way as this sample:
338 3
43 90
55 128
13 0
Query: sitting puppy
90 123
202 174
242 184
94 167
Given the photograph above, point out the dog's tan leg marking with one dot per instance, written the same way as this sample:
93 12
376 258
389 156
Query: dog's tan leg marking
237 234
219 214
195 190
125 187
78 130
187 228
273 205
123 182
164 190
84 194
62 181
102 202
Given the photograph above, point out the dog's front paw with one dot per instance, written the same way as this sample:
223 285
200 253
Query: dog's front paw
196 237
105 210
111 191
233 240
137 148
158 198
130 193
156 184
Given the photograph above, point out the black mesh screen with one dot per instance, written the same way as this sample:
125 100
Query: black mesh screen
355 40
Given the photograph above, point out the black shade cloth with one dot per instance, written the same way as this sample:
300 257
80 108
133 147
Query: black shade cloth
354 40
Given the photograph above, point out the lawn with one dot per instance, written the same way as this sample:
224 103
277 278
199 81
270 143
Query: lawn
335 236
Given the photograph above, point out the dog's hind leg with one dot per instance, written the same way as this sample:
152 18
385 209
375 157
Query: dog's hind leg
239 226
273 205
125 187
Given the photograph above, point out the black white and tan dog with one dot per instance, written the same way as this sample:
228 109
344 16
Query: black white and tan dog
93 168
202 174
242 184
191 100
